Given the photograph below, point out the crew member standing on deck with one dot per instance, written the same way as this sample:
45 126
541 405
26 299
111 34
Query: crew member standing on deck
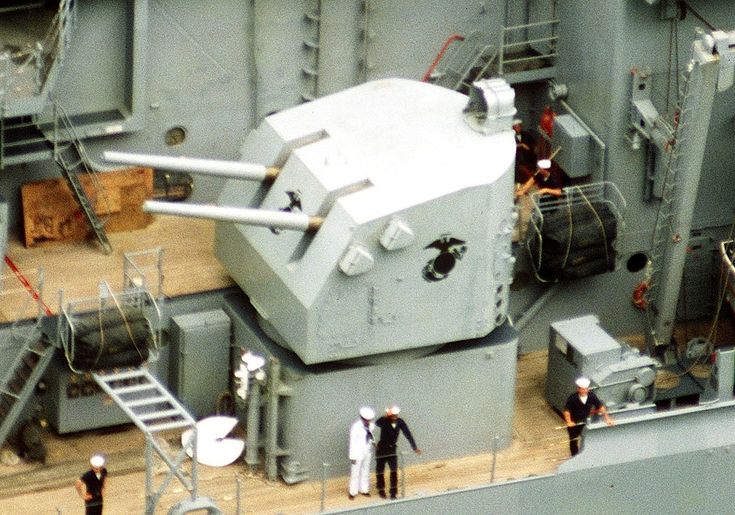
579 406
390 426
362 442
91 485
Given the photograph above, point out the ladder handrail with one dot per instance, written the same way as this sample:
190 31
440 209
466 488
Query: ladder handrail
69 171
10 418
76 141
107 381
440 55
669 185
473 53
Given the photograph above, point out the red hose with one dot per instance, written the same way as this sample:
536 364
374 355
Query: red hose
27 285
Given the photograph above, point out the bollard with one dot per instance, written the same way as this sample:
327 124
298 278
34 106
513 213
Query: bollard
325 466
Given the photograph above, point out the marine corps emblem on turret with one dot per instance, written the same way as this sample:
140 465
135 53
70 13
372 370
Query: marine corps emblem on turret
450 250
294 205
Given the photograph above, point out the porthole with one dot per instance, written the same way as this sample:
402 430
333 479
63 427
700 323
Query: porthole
175 136
637 262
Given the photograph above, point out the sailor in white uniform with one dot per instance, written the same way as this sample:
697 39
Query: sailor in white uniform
362 443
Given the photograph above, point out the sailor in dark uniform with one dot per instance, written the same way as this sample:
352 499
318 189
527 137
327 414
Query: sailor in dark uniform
91 485
390 426
578 407
548 179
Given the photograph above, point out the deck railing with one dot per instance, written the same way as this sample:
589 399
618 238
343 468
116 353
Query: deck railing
458 66
543 49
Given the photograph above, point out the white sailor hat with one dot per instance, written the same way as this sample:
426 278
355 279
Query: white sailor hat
393 410
367 413
582 382
544 164
97 461
252 361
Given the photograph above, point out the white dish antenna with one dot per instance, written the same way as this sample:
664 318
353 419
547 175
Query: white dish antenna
213 447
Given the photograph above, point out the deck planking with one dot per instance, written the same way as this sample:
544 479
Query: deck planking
76 268
537 448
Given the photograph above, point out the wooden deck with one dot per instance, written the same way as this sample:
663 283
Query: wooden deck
76 268
538 447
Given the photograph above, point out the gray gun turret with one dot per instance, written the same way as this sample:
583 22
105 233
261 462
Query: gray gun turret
388 216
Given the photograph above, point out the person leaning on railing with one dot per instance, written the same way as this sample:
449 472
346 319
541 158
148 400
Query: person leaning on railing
578 407
390 426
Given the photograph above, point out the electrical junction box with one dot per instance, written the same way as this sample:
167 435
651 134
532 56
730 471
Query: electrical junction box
575 156
74 402
200 354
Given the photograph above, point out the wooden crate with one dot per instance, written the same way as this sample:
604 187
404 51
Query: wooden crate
51 213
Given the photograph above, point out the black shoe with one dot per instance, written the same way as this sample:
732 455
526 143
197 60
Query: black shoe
382 494
392 497
351 497
366 494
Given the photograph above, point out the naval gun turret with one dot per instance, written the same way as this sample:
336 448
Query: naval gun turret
380 222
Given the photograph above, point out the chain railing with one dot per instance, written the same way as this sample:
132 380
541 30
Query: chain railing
238 489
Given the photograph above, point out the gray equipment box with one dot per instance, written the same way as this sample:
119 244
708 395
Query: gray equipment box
74 401
620 375
575 156
200 353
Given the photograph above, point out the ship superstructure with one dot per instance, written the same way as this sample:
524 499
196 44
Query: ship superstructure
387 274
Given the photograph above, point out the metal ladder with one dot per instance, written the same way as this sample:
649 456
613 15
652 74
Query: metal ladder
22 377
312 44
153 409
367 38
72 160
662 232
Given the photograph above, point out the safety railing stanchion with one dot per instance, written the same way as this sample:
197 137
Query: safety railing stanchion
495 458
238 482
325 467
402 464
